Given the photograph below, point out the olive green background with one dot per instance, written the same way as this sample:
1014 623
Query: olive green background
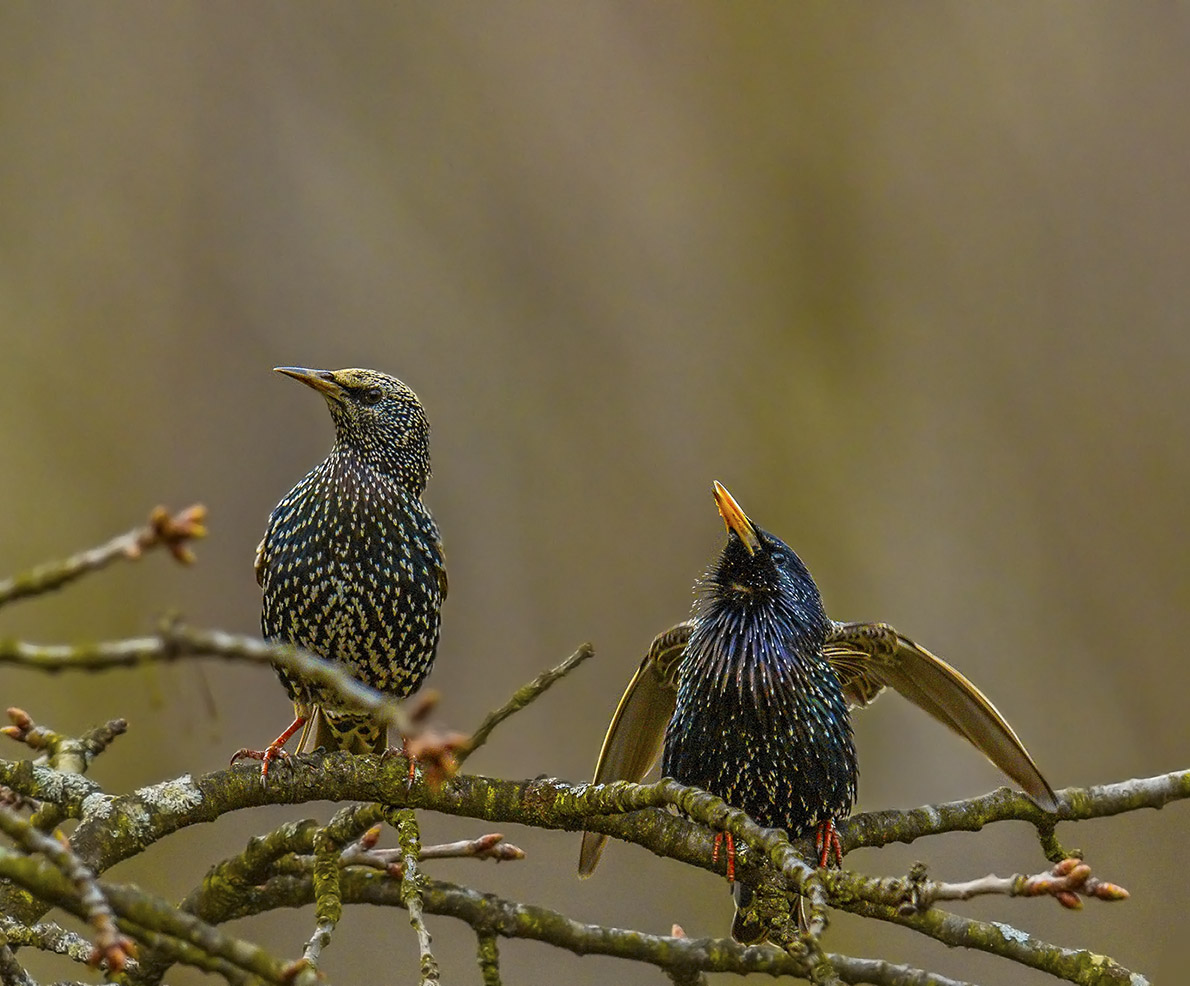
910 279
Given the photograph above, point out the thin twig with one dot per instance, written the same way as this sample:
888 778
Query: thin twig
412 880
50 937
66 753
173 532
176 641
111 948
1069 881
491 846
522 697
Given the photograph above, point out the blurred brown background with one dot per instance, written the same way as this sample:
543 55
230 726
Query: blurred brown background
909 279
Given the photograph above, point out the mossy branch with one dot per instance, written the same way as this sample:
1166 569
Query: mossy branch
302 862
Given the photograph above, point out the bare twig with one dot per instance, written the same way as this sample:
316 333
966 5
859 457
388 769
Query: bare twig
66 753
522 697
176 641
172 532
491 846
1069 881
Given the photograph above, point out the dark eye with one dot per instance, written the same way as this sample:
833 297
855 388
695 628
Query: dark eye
372 396
777 557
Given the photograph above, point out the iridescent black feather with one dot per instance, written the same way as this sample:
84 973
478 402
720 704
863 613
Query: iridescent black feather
761 719
749 699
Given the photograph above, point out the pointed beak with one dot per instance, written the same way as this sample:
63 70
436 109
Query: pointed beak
735 519
321 380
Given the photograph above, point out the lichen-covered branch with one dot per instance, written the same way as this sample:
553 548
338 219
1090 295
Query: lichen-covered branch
412 884
113 828
111 948
880 828
12 973
50 937
487 954
146 918
491 916
1074 965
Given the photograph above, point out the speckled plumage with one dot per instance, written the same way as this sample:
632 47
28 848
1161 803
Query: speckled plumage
351 563
761 719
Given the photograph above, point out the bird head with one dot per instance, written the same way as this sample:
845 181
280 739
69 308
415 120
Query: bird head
758 570
377 417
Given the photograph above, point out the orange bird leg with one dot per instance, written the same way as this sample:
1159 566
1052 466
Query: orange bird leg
274 751
392 751
729 839
826 841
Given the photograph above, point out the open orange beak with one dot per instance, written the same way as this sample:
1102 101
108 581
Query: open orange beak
735 519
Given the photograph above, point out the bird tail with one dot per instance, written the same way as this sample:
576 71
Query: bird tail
746 926
346 731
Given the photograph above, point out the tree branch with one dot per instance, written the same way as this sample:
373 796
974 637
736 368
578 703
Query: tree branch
104 840
172 532
491 915
111 948
522 697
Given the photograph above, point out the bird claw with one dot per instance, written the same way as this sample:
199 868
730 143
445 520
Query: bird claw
274 751
826 841
403 751
725 838
266 757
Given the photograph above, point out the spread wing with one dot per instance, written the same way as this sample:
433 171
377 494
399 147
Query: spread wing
637 731
868 656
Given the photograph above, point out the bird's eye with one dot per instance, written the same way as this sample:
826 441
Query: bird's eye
372 396
777 557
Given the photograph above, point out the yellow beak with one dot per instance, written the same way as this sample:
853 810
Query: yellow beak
735 519
321 380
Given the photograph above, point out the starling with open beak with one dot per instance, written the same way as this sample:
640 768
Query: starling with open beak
750 698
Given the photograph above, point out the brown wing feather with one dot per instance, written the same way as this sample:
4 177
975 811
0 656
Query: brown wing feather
258 562
868 656
637 731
